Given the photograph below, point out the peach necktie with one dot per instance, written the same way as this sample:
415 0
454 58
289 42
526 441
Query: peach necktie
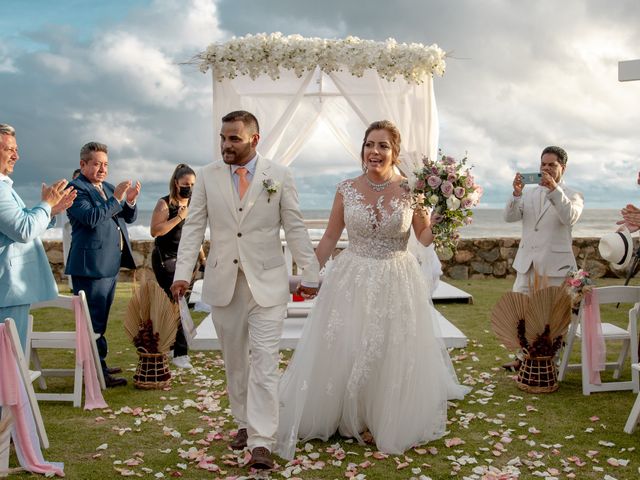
243 183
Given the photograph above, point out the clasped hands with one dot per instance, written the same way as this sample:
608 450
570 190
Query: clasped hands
307 292
180 287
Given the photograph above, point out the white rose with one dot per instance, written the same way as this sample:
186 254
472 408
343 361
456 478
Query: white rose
433 200
453 203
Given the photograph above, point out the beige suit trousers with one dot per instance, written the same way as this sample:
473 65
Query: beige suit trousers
525 281
250 337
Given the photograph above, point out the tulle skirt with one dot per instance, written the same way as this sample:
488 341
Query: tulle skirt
369 359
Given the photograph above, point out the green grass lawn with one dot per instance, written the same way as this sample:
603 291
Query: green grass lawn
156 434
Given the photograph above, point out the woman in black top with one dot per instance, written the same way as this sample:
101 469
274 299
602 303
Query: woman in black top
166 227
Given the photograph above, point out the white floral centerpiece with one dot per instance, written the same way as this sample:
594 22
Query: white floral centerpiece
447 188
255 55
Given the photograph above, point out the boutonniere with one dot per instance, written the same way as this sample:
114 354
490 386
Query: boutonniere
271 187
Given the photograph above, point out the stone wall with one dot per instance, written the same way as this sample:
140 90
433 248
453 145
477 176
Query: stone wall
493 257
475 259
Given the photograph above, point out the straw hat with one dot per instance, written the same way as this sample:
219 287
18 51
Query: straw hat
617 248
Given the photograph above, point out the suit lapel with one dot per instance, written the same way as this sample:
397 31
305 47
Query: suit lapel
93 191
255 188
225 184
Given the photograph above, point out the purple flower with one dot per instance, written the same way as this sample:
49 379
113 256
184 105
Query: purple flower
436 218
434 181
420 184
459 192
466 203
468 182
449 160
434 170
446 188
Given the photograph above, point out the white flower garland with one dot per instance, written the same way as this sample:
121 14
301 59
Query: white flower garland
255 55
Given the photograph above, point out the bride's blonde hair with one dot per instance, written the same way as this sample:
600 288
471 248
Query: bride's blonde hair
395 140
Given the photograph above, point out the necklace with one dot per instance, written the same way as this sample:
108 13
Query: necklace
378 187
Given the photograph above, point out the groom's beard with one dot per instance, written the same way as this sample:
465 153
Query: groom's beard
239 155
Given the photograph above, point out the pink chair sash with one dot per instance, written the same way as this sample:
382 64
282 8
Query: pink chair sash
13 396
593 338
92 393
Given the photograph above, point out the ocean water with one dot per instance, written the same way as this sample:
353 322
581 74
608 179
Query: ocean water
487 223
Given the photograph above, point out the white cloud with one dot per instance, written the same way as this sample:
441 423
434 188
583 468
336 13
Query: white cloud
522 76
146 70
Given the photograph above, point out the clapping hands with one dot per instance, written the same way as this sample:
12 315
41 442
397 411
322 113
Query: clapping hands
630 218
127 190
58 196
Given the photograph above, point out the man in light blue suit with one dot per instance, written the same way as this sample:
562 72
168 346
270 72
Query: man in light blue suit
99 241
25 273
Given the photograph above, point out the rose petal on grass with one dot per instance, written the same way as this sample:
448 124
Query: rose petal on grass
453 442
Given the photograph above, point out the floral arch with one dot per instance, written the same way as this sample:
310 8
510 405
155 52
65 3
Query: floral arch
291 82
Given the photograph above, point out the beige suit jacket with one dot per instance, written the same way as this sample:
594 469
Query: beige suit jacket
245 234
547 221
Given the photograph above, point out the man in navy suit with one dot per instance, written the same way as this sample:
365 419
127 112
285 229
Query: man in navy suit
99 241
25 273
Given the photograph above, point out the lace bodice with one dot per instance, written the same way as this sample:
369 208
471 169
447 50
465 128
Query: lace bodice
377 231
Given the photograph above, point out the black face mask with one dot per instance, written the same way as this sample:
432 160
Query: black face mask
185 192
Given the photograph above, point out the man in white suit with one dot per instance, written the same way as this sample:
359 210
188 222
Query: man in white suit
548 212
245 200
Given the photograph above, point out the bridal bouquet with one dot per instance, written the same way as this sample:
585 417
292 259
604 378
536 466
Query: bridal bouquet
447 188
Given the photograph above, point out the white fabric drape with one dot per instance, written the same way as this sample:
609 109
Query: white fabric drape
289 108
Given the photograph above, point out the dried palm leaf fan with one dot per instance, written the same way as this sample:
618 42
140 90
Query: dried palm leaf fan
548 306
150 302
505 316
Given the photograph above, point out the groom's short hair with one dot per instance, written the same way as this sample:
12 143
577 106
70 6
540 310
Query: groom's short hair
249 119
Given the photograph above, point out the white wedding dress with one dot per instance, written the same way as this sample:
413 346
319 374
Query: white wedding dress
368 357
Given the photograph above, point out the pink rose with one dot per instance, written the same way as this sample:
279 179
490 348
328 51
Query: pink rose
466 203
450 169
446 188
452 177
575 282
420 184
459 192
468 182
436 218
434 181
434 170
449 160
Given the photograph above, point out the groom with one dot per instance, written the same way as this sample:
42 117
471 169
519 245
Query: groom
245 200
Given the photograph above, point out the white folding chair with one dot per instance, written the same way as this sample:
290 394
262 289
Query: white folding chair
25 378
64 340
634 416
610 332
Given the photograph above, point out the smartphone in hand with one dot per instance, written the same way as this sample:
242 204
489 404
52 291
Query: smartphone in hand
531 178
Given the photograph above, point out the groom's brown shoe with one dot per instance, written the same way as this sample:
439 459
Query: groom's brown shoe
240 441
261 459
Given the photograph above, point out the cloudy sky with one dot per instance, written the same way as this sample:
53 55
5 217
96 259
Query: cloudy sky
520 76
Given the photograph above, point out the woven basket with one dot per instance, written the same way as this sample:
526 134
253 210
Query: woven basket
152 371
538 375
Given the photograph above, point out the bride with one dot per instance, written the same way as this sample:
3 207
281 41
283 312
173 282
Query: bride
369 363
